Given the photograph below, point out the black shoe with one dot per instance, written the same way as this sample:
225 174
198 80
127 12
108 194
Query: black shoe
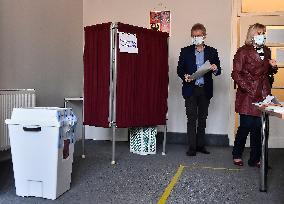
255 164
191 153
202 150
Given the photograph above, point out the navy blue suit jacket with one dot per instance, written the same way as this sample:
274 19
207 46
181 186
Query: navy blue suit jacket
187 65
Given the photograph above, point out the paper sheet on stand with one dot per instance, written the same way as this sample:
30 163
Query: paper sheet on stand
277 109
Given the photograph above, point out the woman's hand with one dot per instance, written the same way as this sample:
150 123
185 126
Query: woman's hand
272 62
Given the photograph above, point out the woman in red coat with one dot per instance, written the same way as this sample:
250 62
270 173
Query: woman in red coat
252 67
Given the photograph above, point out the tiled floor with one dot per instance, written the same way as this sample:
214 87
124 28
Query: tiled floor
143 179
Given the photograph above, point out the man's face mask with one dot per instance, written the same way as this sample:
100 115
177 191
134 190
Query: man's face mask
197 40
259 39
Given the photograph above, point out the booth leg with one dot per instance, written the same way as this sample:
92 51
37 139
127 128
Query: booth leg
113 144
83 142
165 140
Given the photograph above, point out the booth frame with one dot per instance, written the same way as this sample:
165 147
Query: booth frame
112 96
112 90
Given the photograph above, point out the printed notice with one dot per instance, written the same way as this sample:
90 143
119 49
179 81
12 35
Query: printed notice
128 43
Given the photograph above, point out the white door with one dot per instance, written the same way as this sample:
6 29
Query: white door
275 41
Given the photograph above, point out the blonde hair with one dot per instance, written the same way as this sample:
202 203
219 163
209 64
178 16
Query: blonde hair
251 32
199 26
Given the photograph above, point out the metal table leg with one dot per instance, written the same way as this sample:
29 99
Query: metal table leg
83 133
83 142
165 140
264 152
266 144
113 144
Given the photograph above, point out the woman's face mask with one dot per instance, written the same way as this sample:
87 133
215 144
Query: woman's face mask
197 40
259 39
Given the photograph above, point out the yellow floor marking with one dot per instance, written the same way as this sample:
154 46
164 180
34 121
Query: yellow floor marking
174 180
172 184
213 168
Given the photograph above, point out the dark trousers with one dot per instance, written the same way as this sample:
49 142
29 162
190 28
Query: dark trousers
248 125
196 111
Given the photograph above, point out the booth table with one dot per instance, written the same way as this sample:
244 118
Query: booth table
264 143
81 99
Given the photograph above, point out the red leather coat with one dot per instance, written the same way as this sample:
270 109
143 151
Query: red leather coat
251 75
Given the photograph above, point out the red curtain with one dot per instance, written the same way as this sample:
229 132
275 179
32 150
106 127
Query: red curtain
96 74
142 80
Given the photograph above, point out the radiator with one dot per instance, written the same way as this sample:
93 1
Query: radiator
9 99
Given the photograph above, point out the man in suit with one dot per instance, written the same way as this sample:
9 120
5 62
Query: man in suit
197 93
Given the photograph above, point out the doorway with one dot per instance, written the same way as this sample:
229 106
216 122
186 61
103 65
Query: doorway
275 41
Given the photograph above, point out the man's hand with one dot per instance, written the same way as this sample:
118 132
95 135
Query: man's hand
213 67
272 62
187 78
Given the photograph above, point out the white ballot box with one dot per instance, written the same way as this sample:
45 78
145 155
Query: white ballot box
42 145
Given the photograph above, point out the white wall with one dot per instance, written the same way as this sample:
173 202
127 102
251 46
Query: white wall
41 48
214 14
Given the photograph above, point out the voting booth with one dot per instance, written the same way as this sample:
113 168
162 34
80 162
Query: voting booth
42 146
125 79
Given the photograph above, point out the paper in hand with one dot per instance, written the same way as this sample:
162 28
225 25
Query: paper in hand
270 99
201 71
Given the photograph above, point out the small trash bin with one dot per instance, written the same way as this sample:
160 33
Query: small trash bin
143 140
42 145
